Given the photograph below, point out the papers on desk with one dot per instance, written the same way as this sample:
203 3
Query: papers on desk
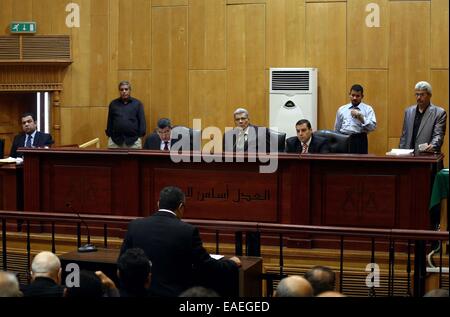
9 160
216 256
400 152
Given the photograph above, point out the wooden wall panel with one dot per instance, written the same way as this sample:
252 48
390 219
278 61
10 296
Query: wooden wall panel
408 61
208 98
75 129
326 50
169 3
375 94
367 47
439 33
235 2
22 10
285 33
113 49
246 76
6 15
207 26
99 61
170 64
135 25
81 68
439 82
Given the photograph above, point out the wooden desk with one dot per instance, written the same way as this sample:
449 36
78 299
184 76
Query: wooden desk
11 187
105 260
329 190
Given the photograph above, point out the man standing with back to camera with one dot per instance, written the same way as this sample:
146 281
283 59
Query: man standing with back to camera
175 248
126 120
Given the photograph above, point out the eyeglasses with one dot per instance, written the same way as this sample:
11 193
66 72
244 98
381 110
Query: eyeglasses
421 94
241 118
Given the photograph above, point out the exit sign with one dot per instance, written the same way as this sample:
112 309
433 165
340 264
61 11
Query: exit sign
22 27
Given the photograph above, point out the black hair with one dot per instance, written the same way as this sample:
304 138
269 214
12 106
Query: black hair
164 123
358 88
304 121
134 268
26 114
170 198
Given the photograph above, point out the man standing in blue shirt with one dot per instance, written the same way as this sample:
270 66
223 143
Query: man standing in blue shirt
356 119
126 120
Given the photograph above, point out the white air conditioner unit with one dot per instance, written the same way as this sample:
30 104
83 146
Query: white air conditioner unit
293 96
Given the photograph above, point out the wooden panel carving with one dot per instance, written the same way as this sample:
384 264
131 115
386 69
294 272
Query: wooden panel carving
83 187
368 200
211 194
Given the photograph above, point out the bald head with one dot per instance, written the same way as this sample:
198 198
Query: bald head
331 294
321 278
294 286
46 264
9 285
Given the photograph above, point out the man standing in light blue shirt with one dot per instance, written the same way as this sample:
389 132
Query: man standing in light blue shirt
356 119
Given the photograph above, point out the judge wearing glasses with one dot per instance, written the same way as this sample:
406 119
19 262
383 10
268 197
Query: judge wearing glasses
424 123
245 137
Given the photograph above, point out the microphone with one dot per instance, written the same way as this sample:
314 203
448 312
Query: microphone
88 247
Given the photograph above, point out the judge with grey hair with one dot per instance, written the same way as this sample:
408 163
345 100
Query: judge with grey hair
424 123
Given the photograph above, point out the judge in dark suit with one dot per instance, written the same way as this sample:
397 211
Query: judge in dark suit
424 123
306 141
30 136
174 247
246 137
161 139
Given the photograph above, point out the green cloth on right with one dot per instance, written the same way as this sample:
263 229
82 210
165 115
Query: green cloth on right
440 188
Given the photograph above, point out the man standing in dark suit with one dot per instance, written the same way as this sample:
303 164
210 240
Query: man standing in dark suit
306 141
31 137
174 247
161 139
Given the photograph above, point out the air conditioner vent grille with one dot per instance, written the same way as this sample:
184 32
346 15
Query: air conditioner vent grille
290 80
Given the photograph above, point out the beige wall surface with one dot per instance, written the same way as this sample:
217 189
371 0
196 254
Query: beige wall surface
191 59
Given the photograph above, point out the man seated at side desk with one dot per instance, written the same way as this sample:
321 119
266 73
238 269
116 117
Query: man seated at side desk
30 136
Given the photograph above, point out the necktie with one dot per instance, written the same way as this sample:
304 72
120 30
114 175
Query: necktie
166 146
240 144
305 148
29 141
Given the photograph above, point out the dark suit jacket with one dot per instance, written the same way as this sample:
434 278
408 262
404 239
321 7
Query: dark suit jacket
153 142
40 139
43 287
317 145
176 252
251 144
